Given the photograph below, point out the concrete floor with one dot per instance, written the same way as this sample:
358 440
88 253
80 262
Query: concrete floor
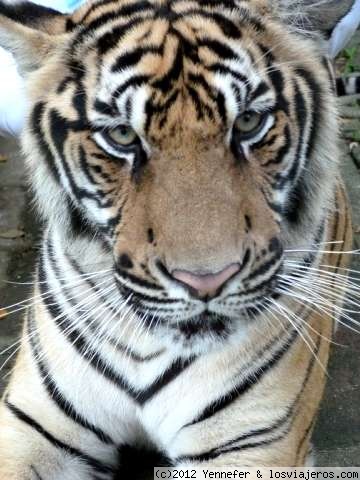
337 436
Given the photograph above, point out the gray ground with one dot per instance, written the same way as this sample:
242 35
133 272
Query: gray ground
337 437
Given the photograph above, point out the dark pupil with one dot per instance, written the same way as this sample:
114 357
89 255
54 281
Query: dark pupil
247 117
124 131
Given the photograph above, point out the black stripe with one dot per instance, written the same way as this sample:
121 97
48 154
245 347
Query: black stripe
265 267
110 39
139 297
85 166
301 118
79 98
166 82
200 106
228 448
104 108
330 72
59 130
220 101
229 5
310 257
196 102
297 202
36 123
223 51
129 59
290 413
166 378
229 28
304 438
79 225
189 48
86 169
54 392
64 85
199 79
339 258
283 151
246 384
316 108
85 278
135 81
152 109
87 351
95 6
141 282
104 18
131 354
278 84
90 461
36 473
81 345
258 288
225 70
259 90
114 341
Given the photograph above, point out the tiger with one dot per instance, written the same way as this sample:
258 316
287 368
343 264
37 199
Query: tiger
184 160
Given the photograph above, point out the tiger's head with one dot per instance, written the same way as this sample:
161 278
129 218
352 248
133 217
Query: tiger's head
193 141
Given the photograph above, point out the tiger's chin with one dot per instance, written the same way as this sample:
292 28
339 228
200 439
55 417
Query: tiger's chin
210 330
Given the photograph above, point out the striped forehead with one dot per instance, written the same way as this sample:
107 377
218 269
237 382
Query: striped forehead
161 56
123 96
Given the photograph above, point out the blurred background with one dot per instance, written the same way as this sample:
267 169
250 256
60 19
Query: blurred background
337 435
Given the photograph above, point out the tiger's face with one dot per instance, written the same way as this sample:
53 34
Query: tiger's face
196 142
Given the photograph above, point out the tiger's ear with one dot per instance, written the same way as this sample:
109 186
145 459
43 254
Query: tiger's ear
324 15
314 16
30 32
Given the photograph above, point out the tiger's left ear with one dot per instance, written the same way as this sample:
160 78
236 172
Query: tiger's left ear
30 32
321 17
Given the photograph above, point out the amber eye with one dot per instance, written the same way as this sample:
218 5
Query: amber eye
123 136
249 123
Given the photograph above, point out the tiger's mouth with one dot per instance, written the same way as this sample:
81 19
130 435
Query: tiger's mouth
196 317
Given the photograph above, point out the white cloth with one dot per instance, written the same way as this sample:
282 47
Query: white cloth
344 30
60 5
12 96
12 92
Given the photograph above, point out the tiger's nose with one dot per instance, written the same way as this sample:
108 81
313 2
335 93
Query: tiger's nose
206 285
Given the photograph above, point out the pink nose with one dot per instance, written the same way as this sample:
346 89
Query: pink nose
206 285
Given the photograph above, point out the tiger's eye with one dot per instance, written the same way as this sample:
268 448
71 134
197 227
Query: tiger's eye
123 135
248 122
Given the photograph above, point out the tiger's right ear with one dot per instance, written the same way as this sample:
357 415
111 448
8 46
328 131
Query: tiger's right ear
30 32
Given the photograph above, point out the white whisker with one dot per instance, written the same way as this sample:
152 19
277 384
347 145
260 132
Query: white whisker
288 314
